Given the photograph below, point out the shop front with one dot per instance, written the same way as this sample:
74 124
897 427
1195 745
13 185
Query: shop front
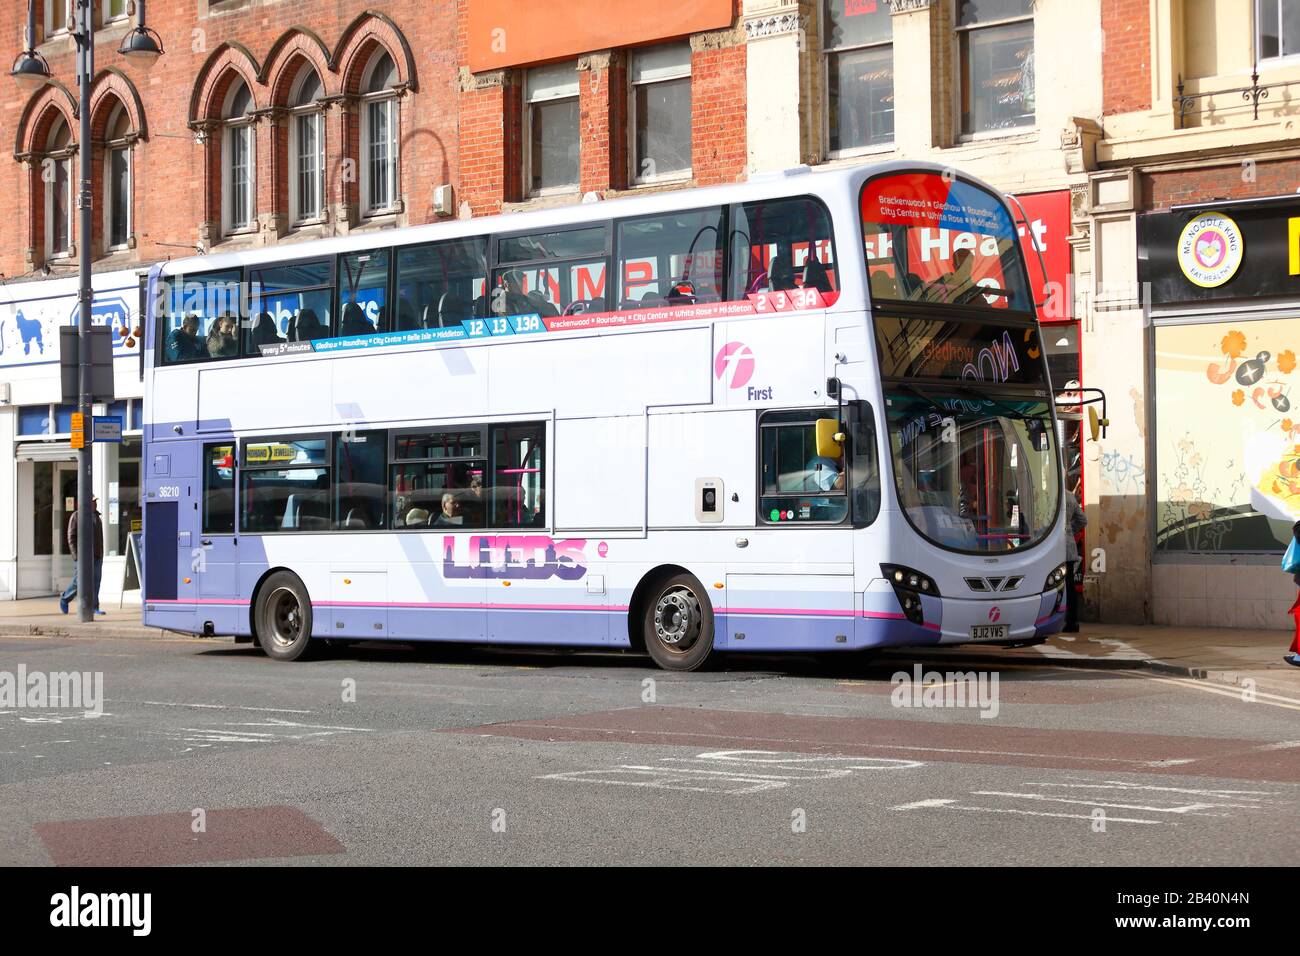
38 465
1223 283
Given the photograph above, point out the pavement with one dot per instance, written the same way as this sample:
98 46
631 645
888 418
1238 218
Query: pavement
1234 657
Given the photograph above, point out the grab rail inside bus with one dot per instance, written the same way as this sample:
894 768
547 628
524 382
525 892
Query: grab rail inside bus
1042 267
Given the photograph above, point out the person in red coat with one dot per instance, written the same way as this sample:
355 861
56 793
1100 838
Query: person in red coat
1293 655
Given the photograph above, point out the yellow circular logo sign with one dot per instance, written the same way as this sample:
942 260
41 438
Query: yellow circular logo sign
1210 250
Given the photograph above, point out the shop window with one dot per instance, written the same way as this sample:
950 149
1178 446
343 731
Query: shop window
1227 476
661 113
996 40
858 39
128 494
552 129
1278 28
56 173
441 284
34 420
671 259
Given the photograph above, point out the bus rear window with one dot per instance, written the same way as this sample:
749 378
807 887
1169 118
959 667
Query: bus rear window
930 239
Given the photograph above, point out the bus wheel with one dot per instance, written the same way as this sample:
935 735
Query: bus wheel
678 624
283 617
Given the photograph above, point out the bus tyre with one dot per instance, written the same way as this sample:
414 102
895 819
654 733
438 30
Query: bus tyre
283 617
678 624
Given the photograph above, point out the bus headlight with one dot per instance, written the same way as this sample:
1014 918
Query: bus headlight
1056 580
909 586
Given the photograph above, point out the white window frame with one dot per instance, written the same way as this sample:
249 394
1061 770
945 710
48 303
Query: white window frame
964 135
663 75
109 17
47 19
1286 59
386 100
827 53
315 116
109 201
243 126
527 145
62 158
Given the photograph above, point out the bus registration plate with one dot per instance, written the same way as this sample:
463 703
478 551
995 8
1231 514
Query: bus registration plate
988 632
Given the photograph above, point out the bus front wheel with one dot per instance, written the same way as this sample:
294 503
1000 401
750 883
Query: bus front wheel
678 624
283 617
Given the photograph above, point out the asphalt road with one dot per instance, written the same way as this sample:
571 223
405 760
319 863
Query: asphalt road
207 752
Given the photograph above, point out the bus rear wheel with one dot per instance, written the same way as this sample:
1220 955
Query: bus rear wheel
283 616
678 624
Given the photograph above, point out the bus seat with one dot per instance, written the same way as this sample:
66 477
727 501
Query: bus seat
355 321
310 327
453 308
780 274
816 276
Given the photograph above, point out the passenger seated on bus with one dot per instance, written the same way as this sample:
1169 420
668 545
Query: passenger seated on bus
221 338
823 474
539 513
354 321
263 333
539 303
416 517
816 275
681 292
450 511
310 326
183 343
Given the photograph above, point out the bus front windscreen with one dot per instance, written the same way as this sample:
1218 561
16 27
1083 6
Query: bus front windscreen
976 471
930 238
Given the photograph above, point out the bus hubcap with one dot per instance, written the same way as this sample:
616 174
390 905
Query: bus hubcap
677 618
286 618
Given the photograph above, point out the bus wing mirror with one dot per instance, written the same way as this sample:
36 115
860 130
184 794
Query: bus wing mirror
1096 424
830 440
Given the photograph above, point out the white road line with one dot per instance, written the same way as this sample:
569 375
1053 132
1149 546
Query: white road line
1277 700
173 703
922 804
1122 785
953 805
1196 808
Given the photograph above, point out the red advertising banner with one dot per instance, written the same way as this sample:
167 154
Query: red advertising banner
1048 233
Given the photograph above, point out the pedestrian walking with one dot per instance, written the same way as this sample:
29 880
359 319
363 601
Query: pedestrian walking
97 534
1075 521
1291 565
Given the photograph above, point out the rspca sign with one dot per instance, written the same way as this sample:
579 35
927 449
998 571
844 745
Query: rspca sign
29 328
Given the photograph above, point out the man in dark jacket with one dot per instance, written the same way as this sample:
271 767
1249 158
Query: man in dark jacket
98 534
1075 521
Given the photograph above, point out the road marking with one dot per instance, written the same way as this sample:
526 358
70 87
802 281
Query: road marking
922 804
1123 785
1272 700
173 703
1196 808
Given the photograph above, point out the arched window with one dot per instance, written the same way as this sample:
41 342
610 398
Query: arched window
307 149
56 173
117 179
239 173
379 129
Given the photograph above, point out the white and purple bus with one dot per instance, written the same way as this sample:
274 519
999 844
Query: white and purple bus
809 412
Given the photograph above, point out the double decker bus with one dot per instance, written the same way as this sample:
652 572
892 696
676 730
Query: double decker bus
809 412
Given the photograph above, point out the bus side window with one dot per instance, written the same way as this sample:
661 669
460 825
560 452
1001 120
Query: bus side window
297 297
219 489
203 317
780 245
552 273
440 285
864 467
360 483
670 259
362 292
518 490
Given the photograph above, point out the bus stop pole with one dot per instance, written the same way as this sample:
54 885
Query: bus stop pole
85 36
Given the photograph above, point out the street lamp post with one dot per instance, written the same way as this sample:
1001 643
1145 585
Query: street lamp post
143 46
